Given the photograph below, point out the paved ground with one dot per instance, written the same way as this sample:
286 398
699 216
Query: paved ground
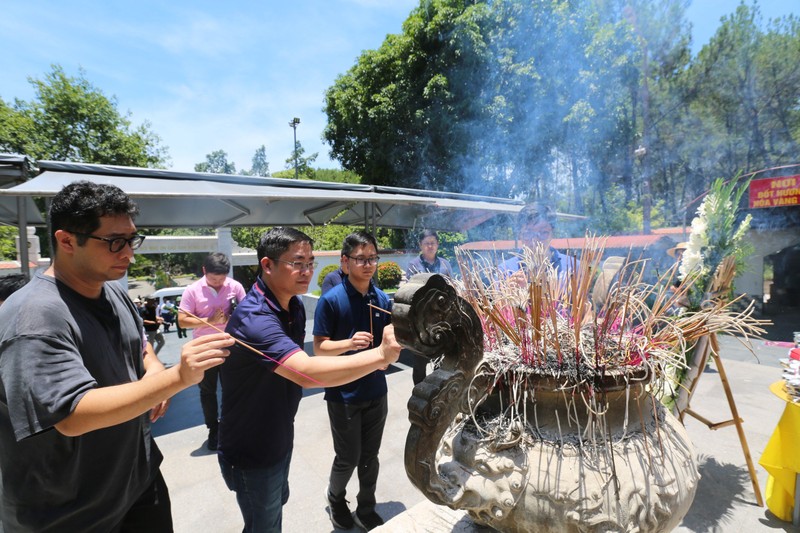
725 500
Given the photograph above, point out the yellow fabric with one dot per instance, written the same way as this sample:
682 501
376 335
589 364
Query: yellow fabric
781 457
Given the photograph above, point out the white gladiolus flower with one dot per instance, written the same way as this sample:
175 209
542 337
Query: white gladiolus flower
692 260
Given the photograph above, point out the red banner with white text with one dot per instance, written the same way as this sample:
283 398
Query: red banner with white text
775 192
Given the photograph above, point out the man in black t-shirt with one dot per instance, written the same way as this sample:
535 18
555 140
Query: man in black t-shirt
79 386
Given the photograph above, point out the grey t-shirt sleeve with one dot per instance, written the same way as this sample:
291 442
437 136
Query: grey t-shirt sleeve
44 380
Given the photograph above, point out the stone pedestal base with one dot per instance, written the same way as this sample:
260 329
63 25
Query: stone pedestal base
428 517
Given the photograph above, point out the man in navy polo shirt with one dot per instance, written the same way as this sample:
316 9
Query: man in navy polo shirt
345 323
261 392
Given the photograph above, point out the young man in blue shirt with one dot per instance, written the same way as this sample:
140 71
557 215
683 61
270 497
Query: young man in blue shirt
261 391
348 320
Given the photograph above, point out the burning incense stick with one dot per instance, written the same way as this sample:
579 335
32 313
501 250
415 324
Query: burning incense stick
380 309
370 318
242 343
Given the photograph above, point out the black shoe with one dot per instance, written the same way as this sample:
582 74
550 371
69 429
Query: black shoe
212 439
368 521
339 513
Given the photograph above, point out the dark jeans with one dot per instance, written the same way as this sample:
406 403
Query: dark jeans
152 512
260 492
357 431
208 398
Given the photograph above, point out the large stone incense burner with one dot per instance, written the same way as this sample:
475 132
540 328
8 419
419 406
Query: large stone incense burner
602 455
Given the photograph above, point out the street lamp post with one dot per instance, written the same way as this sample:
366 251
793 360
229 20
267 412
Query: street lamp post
295 121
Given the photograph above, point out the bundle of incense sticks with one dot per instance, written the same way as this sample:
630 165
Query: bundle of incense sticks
244 344
548 316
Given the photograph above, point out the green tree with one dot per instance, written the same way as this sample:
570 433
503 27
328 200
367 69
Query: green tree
304 169
8 247
260 165
492 98
596 106
69 119
248 237
745 83
336 175
216 163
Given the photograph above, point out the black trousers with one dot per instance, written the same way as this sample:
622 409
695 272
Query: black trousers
152 512
208 397
357 431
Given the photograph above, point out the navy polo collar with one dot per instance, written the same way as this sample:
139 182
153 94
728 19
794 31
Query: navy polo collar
352 291
271 300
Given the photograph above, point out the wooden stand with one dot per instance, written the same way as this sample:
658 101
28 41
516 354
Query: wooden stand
711 347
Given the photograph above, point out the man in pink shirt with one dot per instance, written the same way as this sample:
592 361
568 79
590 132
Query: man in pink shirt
212 298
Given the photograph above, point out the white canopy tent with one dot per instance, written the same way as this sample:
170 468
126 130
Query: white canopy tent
170 199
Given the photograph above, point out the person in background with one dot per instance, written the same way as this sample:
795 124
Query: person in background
676 252
153 324
261 390
346 323
10 284
167 313
181 331
682 302
139 305
79 386
427 261
535 224
332 279
212 298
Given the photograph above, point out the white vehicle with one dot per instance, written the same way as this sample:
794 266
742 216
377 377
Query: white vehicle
168 292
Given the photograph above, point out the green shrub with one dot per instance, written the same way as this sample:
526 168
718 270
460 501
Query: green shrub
389 275
163 279
324 272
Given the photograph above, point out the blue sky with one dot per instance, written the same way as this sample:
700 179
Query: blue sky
224 75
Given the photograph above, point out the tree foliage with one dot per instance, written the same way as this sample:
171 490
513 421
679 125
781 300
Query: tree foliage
259 166
595 105
8 247
483 97
300 164
69 119
216 163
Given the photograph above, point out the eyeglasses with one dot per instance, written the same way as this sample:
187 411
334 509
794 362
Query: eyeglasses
115 244
362 261
298 266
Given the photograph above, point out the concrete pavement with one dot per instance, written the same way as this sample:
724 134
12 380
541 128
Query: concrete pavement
725 501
